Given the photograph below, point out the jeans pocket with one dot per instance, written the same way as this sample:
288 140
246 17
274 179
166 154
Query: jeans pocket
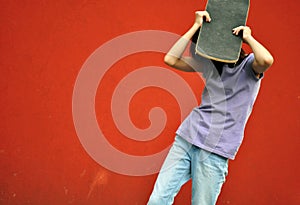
214 165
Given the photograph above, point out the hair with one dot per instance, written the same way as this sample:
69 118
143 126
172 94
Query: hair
218 64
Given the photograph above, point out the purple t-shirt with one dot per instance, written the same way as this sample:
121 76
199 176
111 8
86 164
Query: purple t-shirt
218 124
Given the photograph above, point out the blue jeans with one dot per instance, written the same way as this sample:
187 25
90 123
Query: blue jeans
186 161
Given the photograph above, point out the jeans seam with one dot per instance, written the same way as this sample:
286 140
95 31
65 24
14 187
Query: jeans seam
170 196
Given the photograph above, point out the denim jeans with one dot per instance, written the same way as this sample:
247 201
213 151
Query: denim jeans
186 161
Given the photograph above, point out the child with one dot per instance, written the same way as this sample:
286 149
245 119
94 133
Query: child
213 132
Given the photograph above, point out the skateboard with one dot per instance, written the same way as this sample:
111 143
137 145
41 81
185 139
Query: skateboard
215 40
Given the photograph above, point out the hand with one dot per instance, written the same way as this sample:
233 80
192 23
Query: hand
200 16
246 32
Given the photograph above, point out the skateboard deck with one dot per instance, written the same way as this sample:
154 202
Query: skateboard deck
215 40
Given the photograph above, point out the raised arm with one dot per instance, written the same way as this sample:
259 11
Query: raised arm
174 57
262 57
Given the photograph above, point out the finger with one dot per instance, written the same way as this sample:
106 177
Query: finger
237 30
207 16
200 13
203 15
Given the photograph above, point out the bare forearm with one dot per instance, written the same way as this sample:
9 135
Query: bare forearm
179 47
262 57
174 57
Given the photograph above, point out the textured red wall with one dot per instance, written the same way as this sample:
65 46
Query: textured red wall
43 47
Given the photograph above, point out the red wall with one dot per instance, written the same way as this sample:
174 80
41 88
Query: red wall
43 47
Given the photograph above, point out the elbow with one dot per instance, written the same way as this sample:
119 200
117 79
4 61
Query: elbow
268 61
170 60
262 65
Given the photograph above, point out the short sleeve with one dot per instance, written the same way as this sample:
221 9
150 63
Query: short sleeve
247 65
